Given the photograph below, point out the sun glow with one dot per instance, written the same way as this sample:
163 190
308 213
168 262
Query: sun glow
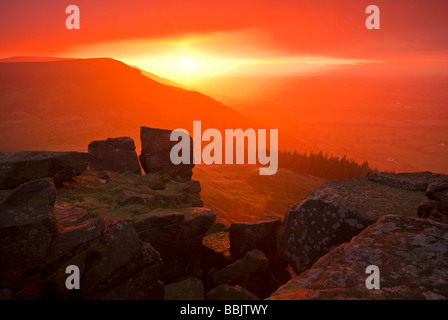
187 63
195 60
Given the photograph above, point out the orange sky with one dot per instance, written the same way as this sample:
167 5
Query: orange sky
193 41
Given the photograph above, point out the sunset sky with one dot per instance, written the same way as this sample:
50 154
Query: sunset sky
194 41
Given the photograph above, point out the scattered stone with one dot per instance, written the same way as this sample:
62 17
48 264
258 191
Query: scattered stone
115 154
251 272
155 155
25 166
226 292
188 289
411 254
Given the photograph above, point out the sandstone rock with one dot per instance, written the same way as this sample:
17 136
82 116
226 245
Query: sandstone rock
25 166
226 292
260 234
251 272
155 155
437 191
188 289
119 263
334 213
26 227
115 154
416 181
217 249
176 235
67 240
411 253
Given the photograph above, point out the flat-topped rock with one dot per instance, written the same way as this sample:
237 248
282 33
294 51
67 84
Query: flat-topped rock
411 254
24 166
155 155
337 211
115 154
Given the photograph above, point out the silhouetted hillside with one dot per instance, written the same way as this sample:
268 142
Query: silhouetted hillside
62 105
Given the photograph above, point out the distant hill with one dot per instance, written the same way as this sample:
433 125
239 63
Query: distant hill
32 59
65 104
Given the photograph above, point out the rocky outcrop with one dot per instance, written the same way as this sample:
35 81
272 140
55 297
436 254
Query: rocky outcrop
252 272
25 166
261 234
411 254
334 213
155 155
114 154
177 236
37 246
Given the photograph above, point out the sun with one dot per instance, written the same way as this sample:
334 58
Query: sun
187 63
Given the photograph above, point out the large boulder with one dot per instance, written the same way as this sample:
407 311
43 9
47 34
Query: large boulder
177 236
120 266
261 234
67 240
26 227
336 212
251 272
114 154
411 254
25 166
155 155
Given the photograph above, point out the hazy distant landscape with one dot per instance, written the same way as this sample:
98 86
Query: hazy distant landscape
65 104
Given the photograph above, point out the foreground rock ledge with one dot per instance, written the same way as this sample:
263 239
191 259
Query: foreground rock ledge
336 212
411 253
24 166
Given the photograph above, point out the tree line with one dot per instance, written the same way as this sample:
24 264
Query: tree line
322 165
